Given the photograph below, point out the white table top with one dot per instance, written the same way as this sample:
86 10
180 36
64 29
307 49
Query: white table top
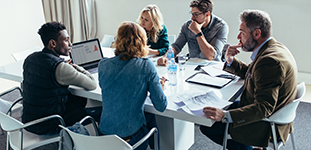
14 72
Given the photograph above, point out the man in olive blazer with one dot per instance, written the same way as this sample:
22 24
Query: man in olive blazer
270 84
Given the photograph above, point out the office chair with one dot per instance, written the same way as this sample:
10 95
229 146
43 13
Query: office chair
285 115
107 142
20 139
13 106
107 41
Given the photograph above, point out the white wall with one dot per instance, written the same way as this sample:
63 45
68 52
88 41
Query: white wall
20 21
291 21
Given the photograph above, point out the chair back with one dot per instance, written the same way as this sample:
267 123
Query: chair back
287 114
9 123
107 41
4 106
171 39
107 142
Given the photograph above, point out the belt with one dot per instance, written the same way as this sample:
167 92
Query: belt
128 138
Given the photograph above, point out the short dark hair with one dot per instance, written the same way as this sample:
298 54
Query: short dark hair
203 5
50 30
257 19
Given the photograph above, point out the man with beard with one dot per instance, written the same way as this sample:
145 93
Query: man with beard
205 33
270 84
47 78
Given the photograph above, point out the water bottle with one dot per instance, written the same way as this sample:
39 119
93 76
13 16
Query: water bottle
172 67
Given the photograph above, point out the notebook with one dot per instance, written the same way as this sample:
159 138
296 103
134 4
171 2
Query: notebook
87 54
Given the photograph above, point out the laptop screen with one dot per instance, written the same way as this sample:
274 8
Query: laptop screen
86 52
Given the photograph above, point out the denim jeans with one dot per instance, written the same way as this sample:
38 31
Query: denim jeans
151 122
139 135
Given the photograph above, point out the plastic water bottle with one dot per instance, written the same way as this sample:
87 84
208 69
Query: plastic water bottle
172 67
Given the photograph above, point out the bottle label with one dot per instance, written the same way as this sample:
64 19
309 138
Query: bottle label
172 68
170 55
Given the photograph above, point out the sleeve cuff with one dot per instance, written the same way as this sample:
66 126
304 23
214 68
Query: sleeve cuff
229 117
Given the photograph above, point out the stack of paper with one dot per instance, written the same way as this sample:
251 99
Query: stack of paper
196 99
213 70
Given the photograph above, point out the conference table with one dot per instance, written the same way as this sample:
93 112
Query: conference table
176 123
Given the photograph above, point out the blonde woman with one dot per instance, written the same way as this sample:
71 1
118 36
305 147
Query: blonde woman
125 81
151 20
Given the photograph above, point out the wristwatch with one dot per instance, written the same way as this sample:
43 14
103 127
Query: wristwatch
225 118
199 34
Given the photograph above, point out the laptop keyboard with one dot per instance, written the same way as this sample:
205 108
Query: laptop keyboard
93 70
90 67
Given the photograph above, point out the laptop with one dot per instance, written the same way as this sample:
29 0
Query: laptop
87 54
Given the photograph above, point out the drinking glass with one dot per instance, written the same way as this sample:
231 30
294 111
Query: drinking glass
182 61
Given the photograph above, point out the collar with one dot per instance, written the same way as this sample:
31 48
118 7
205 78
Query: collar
258 48
46 50
209 26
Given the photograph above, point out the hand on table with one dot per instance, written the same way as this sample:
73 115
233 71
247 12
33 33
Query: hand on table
162 61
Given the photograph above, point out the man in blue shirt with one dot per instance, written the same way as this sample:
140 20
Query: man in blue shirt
205 33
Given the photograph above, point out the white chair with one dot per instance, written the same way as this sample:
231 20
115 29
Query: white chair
10 106
107 41
171 39
23 54
285 115
107 142
20 139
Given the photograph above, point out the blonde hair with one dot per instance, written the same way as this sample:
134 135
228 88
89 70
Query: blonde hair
156 19
131 41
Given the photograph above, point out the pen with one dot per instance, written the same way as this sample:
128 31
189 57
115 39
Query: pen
165 79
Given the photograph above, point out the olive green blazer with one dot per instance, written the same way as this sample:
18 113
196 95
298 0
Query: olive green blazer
270 83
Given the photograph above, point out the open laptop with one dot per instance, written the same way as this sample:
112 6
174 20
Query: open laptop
87 54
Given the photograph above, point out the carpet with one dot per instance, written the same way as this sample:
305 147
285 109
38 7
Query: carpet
302 134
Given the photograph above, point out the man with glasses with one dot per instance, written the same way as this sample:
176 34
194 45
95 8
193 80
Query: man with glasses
205 33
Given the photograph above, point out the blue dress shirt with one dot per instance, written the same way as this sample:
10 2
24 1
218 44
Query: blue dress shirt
215 34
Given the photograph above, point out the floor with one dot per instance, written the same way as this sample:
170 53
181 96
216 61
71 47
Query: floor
306 98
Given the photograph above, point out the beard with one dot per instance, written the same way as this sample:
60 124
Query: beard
249 45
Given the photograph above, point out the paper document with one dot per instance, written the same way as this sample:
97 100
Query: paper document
197 61
205 79
196 99
213 70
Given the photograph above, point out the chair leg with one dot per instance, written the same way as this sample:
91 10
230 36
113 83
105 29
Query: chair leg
8 141
1 131
275 144
156 142
293 140
20 139
224 142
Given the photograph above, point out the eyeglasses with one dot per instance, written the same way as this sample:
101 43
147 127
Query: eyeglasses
195 14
